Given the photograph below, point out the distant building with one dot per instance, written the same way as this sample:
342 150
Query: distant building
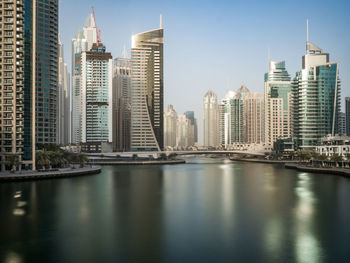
278 103
342 123
147 91
316 93
285 145
254 118
190 115
347 115
184 132
121 104
330 145
170 126
211 120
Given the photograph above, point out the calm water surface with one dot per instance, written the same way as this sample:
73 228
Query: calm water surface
205 211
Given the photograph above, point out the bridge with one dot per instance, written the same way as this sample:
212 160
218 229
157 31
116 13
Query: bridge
179 153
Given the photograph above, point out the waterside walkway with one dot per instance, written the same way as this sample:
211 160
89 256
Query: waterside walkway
35 175
310 169
134 162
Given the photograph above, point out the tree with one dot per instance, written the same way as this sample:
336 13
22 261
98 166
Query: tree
163 156
336 158
134 156
43 159
56 158
12 160
82 159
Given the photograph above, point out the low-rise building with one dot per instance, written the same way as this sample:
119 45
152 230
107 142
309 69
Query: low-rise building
337 144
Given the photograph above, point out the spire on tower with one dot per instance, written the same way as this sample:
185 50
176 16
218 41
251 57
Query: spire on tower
160 21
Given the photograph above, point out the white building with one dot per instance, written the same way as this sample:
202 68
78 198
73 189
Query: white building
170 119
211 119
337 144
83 41
184 132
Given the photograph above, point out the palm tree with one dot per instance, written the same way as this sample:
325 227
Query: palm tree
336 158
12 160
82 159
163 156
43 159
56 158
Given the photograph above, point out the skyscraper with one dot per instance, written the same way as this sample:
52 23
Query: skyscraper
46 72
82 41
316 93
63 100
190 115
147 91
347 113
211 119
96 95
121 103
170 119
254 118
184 132
342 123
278 103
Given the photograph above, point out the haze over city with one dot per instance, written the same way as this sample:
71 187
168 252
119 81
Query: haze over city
218 45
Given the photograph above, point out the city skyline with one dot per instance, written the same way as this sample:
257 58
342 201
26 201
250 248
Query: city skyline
237 53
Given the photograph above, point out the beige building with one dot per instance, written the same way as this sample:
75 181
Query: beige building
170 119
211 120
184 132
254 118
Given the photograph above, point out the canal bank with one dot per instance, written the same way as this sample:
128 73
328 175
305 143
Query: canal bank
135 162
36 175
309 169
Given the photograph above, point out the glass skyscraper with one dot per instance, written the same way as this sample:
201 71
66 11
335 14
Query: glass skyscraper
316 98
147 91
278 103
347 115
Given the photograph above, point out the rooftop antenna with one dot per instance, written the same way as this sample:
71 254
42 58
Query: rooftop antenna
307 30
160 21
124 53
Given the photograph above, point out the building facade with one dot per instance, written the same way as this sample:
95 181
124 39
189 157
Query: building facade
278 103
342 123
211 119
147 91
254 118
184 132
190 115
170 122
316 98
121 104
347 115
331 145
96 95
63 101
82 41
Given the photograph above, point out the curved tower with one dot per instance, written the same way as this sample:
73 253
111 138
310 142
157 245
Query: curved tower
147 91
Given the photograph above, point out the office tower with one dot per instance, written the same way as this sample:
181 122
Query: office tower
82 41
254 118
190 115
147 91
342 123
184 132
121 103
237 118
222 126
96 98
46 71
347 113
225 124
316 98
63 100
278 103
170 119
211 119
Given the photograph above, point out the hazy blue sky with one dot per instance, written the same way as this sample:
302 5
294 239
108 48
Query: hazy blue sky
218 45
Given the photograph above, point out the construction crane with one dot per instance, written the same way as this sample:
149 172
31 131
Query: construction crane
98 32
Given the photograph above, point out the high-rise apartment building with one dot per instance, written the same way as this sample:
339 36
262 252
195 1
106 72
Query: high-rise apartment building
316 98
96 95
211 119
190 115
28 77
184 132
254 118
278 103
170 119
121 103
46 70
63 101
82 41
342 123
147 91
347 115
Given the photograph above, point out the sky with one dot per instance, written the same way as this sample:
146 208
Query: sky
218 45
